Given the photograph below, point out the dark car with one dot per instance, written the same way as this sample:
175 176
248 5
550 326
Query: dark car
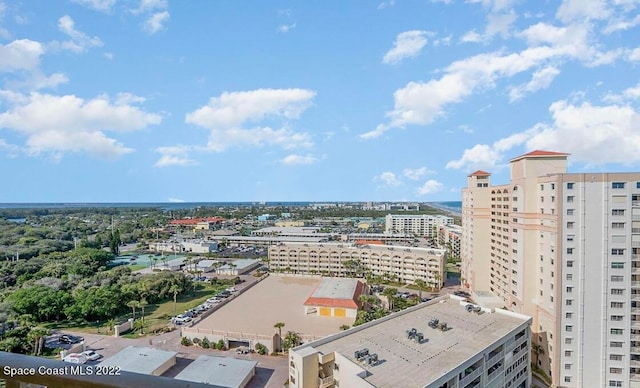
463 294
70 339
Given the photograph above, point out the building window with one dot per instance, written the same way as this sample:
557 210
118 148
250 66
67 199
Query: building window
570 186
617 278
617 291
617 318
568 340
617 185
617 305
617 225
617 212
568 328
570 225
570 237
615 383
553 186
570 212
568 302
570 198
615 344
541 187
615 357
567 353
569 276
617 252
570 264
615 370
567 366
568 315
617 265
569 289
637 185
570 251
617 331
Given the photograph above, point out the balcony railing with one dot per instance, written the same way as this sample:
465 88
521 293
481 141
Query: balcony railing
326 382
78 377
470 377
495 358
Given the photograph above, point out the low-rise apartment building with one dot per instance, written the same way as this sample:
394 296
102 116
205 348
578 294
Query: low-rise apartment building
405 263
420 225
449 237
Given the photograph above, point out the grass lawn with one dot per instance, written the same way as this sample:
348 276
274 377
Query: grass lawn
157 315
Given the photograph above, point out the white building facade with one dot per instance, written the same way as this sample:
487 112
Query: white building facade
421 225
406 263
565 249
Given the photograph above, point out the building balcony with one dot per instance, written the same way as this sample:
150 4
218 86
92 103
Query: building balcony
326 382
498 372
634 376
494 358
470 377
634 349
76 375
635 203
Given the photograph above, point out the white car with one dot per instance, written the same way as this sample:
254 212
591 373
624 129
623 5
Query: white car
182 319
75 358
231 289
91 355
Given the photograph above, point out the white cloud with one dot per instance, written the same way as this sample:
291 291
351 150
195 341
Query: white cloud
471 37
150 6
571 10
408 44
415 174
9 150
386 4
59 124
175 156
634 55
541 79
620 24
98 5
295 159
421 103
176 200
387 179
108 56
284 28
500 24
155 22
80 41
23 54
429 187
591 134
226 115
36 81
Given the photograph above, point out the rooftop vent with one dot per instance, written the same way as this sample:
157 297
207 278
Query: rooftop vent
411 333
360 354
433 323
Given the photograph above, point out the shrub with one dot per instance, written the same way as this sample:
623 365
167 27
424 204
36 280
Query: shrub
261 349
186 341
220 345
205 343
196 341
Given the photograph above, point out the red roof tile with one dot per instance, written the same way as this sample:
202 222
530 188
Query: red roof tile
480 173
538 153
369 242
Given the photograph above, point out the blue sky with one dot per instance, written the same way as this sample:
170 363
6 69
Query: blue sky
160 100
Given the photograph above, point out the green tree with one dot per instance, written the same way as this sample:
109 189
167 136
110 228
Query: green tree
422 285
368 301
142 304
390 293
133 304
279 326
537 350
36 336
138 325
291 340
110 325
175 290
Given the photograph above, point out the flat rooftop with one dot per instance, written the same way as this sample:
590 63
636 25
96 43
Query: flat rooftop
218 371
336 288
439 353
278 298
139 360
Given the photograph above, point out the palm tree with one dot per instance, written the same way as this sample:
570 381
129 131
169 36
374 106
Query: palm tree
537 350
37 335
438 278
421 284
110 324
368 300
138 325
279 326
133 304
142 304
390 293
175 290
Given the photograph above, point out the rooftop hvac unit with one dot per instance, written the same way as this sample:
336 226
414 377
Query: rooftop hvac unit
477 310
411 333
418 338
359 354
443 326
469 308
433 323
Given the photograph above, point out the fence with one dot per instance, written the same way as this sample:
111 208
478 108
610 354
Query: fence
122 328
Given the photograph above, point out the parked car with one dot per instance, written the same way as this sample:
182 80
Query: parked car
463 294
70 339
231 289
180 319
91 355
75 358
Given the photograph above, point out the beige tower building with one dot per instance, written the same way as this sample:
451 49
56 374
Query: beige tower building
565 249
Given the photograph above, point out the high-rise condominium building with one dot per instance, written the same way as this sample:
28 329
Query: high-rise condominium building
421 224
563 248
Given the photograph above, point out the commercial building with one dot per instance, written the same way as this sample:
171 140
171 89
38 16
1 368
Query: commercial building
224 372
449 237
405 263
199 246
421 225
335 297
468 346
565 249
147 361
238 267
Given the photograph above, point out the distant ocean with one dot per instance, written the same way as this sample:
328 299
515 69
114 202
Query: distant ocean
452 206
162 205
